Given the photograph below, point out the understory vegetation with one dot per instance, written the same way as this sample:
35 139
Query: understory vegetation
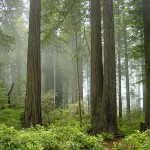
64 133
74 74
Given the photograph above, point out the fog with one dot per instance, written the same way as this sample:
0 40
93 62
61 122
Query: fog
65 55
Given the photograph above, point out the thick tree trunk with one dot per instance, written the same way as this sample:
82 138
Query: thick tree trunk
146 10
109 95
33 89
96 69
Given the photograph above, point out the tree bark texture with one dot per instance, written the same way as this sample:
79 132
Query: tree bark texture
109 95
146 17
33 88
96 69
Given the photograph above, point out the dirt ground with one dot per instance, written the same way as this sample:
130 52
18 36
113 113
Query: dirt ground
110 144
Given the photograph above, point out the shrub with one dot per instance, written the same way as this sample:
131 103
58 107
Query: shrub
73 109
107 136
52 138
49 112
136 141
130 125
48 102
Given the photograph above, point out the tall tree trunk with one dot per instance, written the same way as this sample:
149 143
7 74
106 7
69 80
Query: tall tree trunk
109 95
96 68
79 61
139 95
146 17
66 93
18 64
119 80
119 62
74 83
88 91
49 71
58 88
143 82
126 70
74 70
81 78
78 53
33 89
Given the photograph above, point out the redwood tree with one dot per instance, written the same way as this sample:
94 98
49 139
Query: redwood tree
119 58
33 87
96 68
109 93
126 66
146 17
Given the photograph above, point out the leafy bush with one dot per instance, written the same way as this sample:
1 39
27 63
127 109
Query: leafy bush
49 112
48 102
73 109
54 138
86 128
130 125
136 141
107 136
7 136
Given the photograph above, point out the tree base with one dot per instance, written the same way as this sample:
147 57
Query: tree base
143 127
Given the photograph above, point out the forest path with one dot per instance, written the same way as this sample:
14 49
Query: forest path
110 144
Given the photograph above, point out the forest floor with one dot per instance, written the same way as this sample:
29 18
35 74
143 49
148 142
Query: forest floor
110 144
65 126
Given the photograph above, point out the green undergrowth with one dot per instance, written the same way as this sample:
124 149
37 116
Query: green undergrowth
135 141
50 138
11 117
128 125
63 132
